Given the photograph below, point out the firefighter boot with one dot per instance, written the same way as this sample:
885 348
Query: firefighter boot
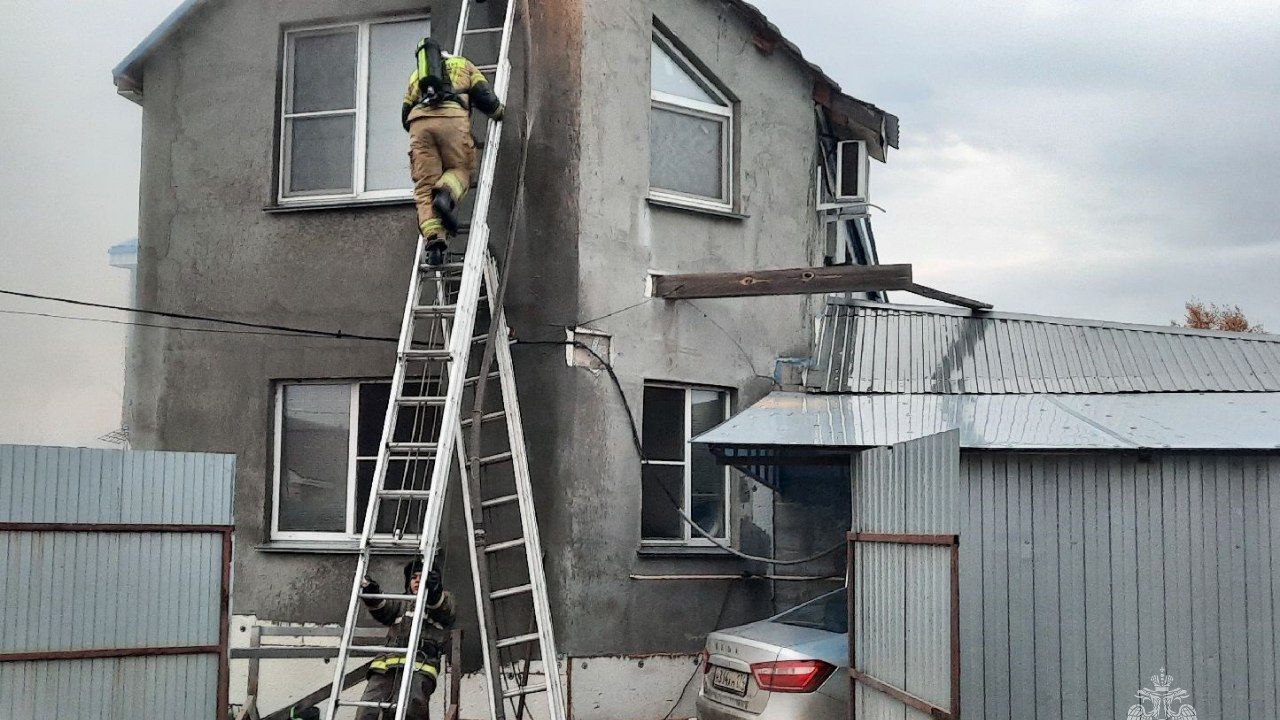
437 251
445 208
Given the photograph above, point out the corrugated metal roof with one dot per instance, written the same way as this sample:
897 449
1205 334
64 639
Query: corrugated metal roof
79 485
868 347
1190 421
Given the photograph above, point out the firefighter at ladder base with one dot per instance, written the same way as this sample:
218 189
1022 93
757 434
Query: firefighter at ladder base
442 154
385 673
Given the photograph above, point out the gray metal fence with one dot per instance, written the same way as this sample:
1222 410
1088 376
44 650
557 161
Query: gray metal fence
1083 575
115 585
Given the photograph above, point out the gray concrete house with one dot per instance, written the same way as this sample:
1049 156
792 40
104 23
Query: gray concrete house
1115 489
673 135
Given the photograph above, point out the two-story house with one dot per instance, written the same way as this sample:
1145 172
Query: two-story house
674 135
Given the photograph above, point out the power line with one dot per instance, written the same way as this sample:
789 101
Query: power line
338 335
133 323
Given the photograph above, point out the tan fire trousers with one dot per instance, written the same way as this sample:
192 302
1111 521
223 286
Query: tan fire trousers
442 154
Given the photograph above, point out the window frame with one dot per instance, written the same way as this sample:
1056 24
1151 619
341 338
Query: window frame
360 111
353 529
690 538
726 115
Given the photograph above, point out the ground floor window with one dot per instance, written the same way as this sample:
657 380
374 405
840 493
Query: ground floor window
326 451
677 474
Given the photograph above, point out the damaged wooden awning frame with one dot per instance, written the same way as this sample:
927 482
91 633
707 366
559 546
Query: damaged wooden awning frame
799 281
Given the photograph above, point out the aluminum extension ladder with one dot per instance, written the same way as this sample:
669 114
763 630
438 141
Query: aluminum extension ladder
436 376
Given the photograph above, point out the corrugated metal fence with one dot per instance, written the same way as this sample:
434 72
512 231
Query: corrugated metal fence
115 584
1082 575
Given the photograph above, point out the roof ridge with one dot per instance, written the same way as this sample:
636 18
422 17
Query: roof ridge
902 309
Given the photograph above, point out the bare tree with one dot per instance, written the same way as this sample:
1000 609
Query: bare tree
1229 318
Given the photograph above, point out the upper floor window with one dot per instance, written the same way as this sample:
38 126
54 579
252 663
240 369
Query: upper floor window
340 134
677 477
690 133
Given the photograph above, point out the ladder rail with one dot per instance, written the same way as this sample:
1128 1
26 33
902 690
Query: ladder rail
484 605
388 428
528 514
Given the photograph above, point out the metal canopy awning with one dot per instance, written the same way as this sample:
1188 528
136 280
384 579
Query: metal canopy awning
791 424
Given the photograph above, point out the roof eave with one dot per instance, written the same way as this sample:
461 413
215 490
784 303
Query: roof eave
127 75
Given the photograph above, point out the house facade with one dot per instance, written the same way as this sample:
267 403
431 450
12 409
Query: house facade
667 135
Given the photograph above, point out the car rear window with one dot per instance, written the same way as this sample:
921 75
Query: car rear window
829 612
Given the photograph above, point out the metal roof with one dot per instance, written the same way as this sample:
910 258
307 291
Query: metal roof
1182 421
869 347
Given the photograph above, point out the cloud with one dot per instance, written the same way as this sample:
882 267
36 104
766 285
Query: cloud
1070 157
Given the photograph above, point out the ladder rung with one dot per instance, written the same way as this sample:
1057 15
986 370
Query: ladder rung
405 494
442 268
431 354
478 31
379 650
499 547
527 690
366 704
509 592
476 378
412 447
517 640
495 459
421 401
434 310
393 544
487 417
388 596
487 68
504 500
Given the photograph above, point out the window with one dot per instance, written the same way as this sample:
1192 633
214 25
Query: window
326 450
340 133
674 472
690 133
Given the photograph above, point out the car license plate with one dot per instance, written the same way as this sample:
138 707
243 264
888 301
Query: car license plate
733 681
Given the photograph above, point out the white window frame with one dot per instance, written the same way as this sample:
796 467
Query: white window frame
361 112
864 168
725 115
690 538
354 526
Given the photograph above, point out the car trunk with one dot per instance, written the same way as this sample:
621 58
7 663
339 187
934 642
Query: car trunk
731 656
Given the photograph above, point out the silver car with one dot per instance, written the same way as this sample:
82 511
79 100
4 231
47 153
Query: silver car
791 666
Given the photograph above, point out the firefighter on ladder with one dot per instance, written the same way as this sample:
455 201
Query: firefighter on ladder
386 671
442 154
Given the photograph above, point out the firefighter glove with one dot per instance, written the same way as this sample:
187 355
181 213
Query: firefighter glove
369 586
435 587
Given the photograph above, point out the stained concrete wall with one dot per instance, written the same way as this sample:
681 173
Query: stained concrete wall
588 239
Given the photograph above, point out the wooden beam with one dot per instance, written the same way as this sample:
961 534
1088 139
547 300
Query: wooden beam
793 281
351 679
946 297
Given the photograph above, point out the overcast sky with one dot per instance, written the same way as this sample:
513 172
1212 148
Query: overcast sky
1094 159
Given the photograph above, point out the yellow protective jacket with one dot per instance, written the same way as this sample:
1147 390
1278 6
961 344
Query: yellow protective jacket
397 616
469 85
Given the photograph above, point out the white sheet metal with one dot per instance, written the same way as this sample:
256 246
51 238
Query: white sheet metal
1198 421
178 686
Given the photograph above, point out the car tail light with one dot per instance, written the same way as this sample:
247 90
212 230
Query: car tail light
705 659
793 676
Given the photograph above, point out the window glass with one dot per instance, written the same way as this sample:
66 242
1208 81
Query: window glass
324 71
314 458
320 154
662 428
391 59
829 612
667 76
686 153
660 485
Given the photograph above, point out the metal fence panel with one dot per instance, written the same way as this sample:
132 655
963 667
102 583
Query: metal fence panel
179 686
1082 575
79 485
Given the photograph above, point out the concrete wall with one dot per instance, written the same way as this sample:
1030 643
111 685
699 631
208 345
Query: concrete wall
587 238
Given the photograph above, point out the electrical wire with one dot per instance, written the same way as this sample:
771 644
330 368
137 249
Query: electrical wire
81 318
639 447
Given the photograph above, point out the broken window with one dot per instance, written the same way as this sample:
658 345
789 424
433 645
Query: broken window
327 438
340 124
690 132
676 476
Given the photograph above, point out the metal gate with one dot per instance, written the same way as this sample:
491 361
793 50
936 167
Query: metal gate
904 602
